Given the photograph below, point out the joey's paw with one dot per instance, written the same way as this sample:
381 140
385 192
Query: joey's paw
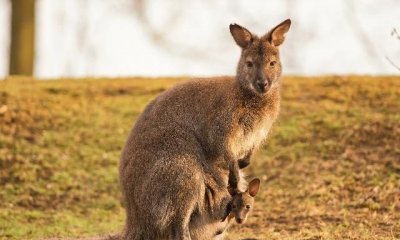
224 218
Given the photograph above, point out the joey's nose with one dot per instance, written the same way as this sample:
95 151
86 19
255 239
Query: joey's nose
239 220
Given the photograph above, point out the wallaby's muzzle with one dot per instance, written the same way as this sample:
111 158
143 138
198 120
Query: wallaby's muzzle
263 86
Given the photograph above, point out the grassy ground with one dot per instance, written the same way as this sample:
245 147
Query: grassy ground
330 169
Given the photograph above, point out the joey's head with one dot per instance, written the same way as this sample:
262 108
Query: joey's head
259 67
242 203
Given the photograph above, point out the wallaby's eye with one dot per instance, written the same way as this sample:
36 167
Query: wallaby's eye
272 63
247 206
249 64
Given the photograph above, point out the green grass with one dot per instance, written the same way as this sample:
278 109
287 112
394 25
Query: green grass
330 169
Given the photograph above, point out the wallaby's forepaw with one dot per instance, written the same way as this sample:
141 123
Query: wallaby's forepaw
233 190
243 163
233 184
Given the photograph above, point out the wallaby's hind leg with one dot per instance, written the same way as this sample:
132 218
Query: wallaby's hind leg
168 197
234 176
180 226
181 231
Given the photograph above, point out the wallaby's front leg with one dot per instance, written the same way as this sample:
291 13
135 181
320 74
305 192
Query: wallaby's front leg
234 176
244 162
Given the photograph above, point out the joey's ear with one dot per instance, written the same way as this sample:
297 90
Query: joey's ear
277 35
228 210
254 185
242 36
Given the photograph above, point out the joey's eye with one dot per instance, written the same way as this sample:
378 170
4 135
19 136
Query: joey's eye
272 63
233 206
247 206
249 64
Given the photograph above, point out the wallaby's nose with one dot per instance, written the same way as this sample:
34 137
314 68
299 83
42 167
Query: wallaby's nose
263 85
239 220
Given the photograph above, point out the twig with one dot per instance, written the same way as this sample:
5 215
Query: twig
393 64
391 232
395 34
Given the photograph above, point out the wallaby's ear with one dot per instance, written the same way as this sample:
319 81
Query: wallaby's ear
254 185
277 35
242 36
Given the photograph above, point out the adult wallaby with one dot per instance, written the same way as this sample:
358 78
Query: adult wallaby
197 131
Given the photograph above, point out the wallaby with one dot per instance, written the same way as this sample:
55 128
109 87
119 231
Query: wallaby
196 131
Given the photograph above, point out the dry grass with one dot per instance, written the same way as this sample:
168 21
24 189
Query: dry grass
330 169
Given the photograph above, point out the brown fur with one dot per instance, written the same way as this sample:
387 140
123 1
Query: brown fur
175 165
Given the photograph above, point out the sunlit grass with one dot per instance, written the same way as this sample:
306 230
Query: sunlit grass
330 169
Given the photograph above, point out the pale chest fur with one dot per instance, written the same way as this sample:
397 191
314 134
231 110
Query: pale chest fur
244 139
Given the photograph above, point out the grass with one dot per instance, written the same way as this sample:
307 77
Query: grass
330 169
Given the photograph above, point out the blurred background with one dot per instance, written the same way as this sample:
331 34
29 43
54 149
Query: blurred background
79 38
